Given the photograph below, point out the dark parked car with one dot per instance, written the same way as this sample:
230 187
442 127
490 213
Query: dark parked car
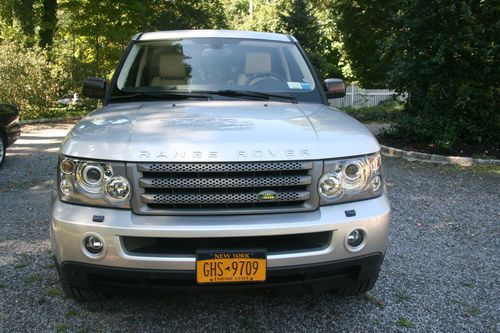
10 130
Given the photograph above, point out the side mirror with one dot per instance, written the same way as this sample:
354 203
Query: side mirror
94 87
335 88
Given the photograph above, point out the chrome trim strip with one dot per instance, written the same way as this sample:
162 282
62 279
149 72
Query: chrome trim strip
224 167
224 182
217 198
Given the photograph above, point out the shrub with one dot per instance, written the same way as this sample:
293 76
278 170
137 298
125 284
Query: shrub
28 80
385 112
446 57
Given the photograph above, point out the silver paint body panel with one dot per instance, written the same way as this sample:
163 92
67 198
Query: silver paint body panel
178 34
217 131
69 224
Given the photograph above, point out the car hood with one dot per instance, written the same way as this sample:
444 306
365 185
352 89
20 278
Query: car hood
217 131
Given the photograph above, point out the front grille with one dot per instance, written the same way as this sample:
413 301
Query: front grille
154 246
224 188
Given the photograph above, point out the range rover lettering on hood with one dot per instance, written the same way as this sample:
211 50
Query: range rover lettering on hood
179 155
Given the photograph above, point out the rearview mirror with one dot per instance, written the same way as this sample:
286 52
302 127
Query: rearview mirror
335 88
94 87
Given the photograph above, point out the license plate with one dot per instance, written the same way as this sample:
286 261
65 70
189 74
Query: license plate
231 266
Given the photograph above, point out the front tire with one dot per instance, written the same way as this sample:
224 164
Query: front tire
359 286
78 294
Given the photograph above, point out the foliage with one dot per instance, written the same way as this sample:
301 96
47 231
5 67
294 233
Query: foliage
66 111
264 17
311 22
28 79
28 21
296 18
365 25
385 112
184 14
48 21
446 57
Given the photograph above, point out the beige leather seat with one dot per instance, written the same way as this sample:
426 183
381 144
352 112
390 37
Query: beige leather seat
255 62
171 71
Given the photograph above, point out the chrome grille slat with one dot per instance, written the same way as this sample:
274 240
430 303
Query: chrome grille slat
219 198
224 182
196 188
225 167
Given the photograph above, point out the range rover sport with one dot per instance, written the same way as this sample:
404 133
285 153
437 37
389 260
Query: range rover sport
215 161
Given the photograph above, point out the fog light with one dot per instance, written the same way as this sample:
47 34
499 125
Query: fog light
93 245
355 238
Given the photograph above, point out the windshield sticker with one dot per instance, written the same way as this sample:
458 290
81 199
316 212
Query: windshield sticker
305 85
294 85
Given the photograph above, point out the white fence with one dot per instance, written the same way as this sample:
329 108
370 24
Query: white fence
357 97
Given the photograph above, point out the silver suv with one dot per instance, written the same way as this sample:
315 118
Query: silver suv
216 161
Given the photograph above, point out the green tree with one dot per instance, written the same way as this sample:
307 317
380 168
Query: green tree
99 30
365 26
184 14
446 58
310 22
48 22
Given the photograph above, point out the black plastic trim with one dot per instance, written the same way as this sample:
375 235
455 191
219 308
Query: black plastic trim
318 277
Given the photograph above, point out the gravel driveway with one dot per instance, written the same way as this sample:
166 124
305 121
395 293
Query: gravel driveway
440 273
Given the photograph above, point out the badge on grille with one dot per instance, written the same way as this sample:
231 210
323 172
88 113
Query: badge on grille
267 196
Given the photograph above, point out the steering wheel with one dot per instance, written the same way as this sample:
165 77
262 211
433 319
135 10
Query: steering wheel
257 77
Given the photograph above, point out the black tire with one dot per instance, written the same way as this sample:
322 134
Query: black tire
79 294
3 147
358 287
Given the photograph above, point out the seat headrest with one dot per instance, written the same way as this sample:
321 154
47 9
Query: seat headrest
171 66
257 62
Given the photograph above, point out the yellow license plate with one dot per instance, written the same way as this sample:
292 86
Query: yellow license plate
231 266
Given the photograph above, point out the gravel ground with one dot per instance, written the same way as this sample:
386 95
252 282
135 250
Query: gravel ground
440 273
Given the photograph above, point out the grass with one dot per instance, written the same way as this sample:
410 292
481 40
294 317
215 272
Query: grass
478 168
21 265
83 330
51 266
53 292
404 322
61 328
2 285
472 311
71 313
402 297
384 112
468 284
33 278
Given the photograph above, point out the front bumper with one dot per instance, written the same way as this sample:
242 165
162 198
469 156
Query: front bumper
303 278
71 223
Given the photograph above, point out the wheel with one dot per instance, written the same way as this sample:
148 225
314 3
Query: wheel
3 147
358 287
78 294
254 79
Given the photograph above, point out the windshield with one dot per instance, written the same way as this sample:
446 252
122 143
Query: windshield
214 65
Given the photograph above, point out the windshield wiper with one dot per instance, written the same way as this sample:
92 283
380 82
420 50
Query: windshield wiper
251 94
161 95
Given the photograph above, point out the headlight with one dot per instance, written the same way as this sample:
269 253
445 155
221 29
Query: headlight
351 179
93 183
